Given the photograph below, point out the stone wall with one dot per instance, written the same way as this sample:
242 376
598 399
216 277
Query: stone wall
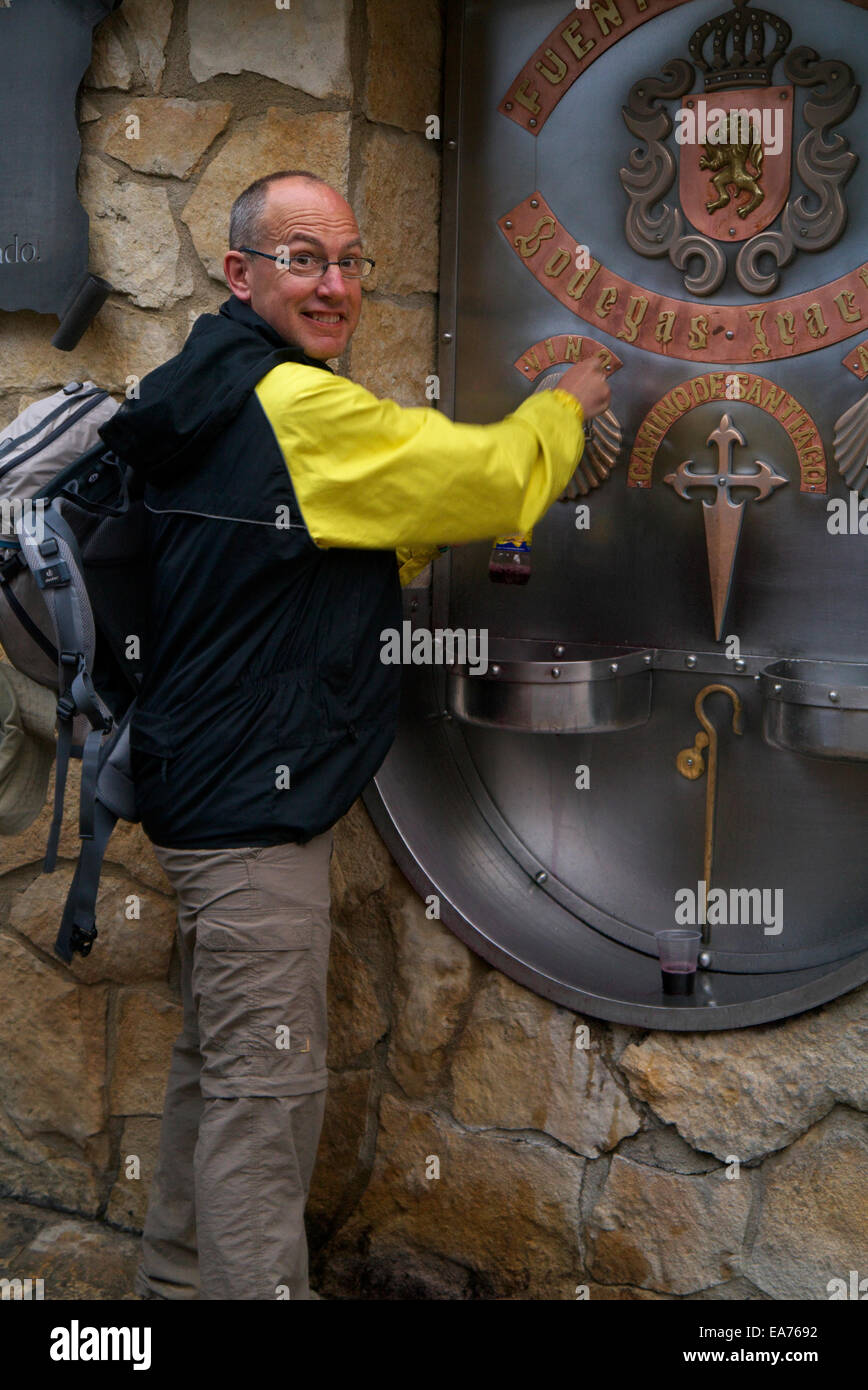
607 1170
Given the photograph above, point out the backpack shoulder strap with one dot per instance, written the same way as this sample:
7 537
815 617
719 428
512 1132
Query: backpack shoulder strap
55 563
113 798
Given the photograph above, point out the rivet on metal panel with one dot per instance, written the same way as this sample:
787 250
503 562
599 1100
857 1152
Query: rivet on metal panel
833 695
447 337
495 670
541 877
559 650
741 664
614 668
705 959
690 661
556 671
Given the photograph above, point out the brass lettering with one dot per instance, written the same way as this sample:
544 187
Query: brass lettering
557 262
550 349
531 361
844 301
636 311
786 326
604 357
530 244
785 414
553 74
862 355
665 326
697 336
641 4
761 346
667 409
607 301
530 100
863 271
715 383
696 383
773 397
573 349
572 37
681 399
817 326
606 14
803 434
753 395
581 280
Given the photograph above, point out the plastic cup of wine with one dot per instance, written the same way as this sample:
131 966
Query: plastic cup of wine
679 949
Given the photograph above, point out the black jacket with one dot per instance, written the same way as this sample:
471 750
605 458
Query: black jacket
262 659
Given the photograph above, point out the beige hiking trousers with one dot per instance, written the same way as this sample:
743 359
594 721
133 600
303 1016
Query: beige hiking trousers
247 1084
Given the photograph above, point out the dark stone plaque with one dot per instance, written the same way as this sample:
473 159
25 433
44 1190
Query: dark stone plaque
45 50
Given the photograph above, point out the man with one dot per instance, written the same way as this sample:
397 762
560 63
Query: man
278 494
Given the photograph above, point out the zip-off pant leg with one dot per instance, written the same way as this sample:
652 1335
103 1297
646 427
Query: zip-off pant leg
247 1084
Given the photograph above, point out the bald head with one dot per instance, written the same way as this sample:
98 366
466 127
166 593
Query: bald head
290 212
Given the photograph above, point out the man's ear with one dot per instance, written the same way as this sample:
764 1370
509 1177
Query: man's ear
236 268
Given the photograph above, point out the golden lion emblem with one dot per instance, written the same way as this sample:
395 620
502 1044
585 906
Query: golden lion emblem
730 165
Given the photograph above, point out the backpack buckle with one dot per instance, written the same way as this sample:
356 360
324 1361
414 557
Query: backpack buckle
10 565
82 939
66 707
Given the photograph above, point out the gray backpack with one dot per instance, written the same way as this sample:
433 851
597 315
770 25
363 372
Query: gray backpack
72 593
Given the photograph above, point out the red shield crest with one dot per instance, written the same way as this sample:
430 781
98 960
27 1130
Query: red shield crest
735 165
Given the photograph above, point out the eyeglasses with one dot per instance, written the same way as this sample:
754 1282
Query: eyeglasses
304 263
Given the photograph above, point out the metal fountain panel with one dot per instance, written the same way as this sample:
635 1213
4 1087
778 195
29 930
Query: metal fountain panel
675 702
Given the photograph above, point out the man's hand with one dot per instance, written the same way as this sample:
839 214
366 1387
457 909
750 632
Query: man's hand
590 386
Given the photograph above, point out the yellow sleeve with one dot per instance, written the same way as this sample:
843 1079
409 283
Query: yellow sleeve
370 474
412 561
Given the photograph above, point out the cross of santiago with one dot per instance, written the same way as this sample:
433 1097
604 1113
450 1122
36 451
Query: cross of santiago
723 517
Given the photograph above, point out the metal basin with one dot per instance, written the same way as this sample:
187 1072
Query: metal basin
818 708
554 687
